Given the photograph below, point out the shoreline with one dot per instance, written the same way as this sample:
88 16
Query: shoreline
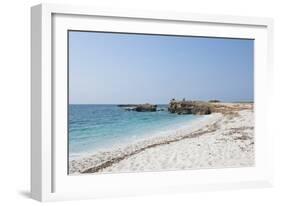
161 132
217 131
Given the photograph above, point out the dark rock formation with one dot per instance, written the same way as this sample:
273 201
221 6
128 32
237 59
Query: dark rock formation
190 107
145 108
140 107
127 105
214 101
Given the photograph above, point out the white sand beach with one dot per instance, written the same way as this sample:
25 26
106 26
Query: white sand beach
221 139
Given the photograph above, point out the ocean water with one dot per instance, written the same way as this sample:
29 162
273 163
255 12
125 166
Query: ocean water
94 128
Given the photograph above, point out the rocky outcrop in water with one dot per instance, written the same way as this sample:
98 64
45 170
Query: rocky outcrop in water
214 101
189 107
146 108
141 107
127 105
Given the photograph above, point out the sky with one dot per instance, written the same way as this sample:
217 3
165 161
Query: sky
115 68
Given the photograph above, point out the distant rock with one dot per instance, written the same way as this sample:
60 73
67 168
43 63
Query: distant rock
190 107
146 108
214 101
127 105
139 107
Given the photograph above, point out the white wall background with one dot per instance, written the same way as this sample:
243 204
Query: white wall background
15 100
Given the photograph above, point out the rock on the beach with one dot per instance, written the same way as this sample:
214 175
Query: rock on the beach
189 107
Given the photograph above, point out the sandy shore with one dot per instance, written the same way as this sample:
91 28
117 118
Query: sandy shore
222 139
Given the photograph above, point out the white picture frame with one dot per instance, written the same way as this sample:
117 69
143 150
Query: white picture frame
49 179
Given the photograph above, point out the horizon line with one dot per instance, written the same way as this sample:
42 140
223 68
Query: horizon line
236 101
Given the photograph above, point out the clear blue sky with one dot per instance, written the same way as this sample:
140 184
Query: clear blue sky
108 68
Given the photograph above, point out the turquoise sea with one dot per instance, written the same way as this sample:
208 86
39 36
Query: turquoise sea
100 127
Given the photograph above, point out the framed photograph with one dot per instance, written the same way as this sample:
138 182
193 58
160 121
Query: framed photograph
137 102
